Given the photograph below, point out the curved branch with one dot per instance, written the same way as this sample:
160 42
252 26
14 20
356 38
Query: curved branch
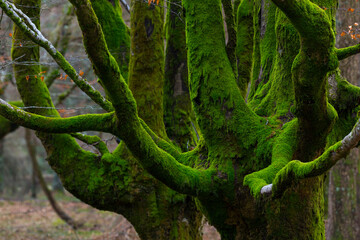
156 161
31 31
310 21
95 122
282 152
216 99
117 34
309 71
161 143
164 167
93 141
343 53
104 63
296 170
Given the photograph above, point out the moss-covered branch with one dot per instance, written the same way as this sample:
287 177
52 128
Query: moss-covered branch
244 46
297 170
220 110
309 73
96 122
283 150
157 162
32 32
161 143
104 63
343 53
310 21
146 79
93 141
117 34
178 114
167 169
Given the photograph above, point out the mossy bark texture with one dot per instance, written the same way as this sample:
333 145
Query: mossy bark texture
258 169
155 211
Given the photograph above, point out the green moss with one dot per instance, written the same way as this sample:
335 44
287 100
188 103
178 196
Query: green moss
279 46
264 48
283 150
244 46
147 63
178 116
228 8
116 32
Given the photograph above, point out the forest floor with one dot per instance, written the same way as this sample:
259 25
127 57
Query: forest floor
35 220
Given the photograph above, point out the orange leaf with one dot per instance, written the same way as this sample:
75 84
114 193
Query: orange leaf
157 2
81 73
351 10
10 34
65 76
358 35
343 34
353 36
356 24
20 45
42 78
27 78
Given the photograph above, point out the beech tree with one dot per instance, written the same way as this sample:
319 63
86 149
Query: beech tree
273 111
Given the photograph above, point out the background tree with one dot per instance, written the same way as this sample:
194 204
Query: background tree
242 172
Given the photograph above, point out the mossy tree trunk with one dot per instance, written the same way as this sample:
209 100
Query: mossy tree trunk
179 119
155 211
258 169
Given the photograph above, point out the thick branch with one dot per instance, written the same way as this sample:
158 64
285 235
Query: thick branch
216 99
296 170
309 73
104 63
167 169
31 31
244 48
282 152
157 162
161 143
87 122
310 21
343 53
117 34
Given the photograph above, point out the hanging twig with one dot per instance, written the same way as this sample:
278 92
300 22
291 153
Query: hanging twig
31 148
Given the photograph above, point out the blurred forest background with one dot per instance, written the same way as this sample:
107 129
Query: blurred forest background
26 212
